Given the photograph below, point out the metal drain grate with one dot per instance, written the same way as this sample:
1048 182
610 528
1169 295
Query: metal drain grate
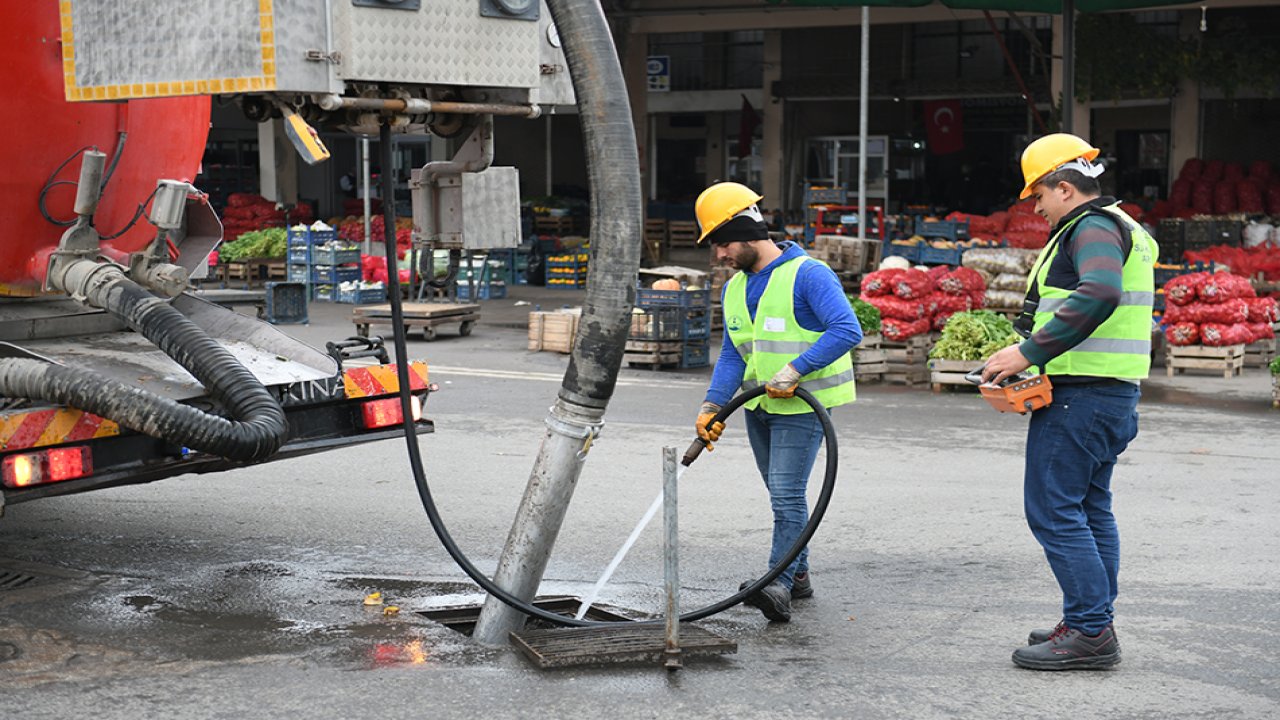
565 647
11 580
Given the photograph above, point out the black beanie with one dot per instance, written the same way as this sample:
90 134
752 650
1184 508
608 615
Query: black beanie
741 228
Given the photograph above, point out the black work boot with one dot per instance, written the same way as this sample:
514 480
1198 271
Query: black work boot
773 600
801 588
1068 649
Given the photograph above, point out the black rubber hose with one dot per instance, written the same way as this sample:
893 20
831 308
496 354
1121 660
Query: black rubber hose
258 429
433 513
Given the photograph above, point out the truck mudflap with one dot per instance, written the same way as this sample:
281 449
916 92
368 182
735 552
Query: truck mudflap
360 405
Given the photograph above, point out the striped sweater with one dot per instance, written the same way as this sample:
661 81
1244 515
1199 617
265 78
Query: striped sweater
1090 261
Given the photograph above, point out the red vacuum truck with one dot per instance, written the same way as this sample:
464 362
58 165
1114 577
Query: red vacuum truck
111 371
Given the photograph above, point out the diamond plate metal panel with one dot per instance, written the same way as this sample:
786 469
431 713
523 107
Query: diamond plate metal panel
301 26
447 42
491 209
556 84
117 44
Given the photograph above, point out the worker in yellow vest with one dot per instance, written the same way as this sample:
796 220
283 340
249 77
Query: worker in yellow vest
1087 323
787 324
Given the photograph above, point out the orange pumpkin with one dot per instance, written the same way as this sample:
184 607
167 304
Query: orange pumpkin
666 284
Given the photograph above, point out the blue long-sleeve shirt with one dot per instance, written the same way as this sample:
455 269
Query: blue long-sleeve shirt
820 306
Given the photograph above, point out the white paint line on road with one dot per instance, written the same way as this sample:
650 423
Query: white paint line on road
550 377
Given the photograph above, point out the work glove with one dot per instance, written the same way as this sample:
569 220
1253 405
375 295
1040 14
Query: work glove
783 383
705 415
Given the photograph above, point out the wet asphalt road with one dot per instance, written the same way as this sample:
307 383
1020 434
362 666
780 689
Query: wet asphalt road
240 594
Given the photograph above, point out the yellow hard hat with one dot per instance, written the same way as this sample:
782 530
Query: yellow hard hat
1048 153
719 203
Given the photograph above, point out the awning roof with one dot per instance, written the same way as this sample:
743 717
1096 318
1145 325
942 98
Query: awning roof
1032 6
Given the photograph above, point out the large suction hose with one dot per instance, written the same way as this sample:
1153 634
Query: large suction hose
258 428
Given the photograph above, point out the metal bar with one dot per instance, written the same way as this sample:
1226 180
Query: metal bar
1013 68
864 81
364 192
671 656
1068 64
422 106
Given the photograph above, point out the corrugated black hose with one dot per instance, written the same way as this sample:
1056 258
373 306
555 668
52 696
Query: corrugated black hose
257 429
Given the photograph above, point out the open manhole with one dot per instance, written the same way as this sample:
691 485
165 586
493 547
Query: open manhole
548 646
462 618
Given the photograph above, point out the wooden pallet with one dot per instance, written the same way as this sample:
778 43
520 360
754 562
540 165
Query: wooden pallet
655 240
870 360
1228 360
909 375
949 374
651 354
547 225
253 271
906 360
427 316
1260 354
682 233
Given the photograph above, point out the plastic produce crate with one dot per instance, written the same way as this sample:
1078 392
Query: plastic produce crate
696 325
361 295
285 302
331 256
930 255
646 298
323 292
1164 275
695 354
656 325
488 291
910 252
329 275
949 229
299 273
312 237
299 254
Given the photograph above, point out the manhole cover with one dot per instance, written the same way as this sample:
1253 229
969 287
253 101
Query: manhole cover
567 647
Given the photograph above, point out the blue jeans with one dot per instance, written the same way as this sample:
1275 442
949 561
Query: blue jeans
785 447
1072 447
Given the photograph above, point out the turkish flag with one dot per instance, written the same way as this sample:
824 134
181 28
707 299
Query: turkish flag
747 123
944 126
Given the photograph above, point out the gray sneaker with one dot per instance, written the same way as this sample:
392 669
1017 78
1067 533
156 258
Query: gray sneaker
801 587
773 600
1068 649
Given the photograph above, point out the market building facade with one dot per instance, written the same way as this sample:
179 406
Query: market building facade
768 94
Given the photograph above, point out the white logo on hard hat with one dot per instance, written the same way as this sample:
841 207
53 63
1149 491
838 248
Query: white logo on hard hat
752 212
1082 166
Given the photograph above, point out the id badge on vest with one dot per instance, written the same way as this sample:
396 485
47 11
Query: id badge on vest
775 324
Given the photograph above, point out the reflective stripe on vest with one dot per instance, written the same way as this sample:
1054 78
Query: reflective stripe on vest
1121 346
766 351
